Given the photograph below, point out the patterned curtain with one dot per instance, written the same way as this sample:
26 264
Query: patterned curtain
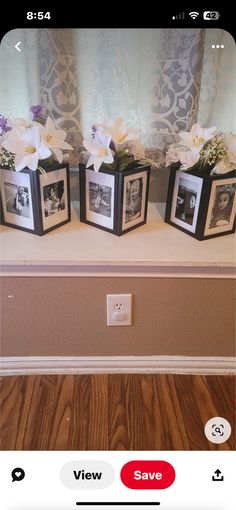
160 81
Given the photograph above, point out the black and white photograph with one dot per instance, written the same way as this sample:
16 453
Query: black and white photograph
222 207
186 202
186 198
54 198
99 191
135 187
133 199
100 199
16 199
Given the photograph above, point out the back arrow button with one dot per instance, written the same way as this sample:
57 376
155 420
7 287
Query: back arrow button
17 46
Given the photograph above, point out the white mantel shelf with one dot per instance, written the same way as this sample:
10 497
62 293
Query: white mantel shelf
155 249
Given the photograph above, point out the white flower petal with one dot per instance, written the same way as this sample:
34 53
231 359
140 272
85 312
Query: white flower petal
97 164
33 161
103 139
230 141
108 158
49 125
222 167
20 163
196 130
188 159
32 137
60 134
91 146
186 137
15 145
209 133
91 161
58 154
44 152
94 161
28 160
197 137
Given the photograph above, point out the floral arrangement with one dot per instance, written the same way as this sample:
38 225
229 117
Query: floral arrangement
116 146
31 144
201 148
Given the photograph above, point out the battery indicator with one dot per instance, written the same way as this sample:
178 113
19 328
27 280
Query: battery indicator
211 15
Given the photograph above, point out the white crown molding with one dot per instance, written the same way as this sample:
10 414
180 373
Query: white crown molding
138 270
117 364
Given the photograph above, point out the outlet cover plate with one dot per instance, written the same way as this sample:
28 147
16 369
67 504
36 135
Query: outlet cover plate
119 309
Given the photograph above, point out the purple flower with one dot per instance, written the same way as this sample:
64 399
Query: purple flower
94 129
112 146
37 112
3 125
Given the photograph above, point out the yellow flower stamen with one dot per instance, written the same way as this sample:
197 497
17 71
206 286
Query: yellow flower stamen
103 152
198 140
122 137
30 149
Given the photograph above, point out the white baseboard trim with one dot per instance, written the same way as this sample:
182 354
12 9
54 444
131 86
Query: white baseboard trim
33 365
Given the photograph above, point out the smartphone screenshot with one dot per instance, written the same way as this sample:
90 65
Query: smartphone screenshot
117 244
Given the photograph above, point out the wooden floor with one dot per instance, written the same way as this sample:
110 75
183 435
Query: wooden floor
114 412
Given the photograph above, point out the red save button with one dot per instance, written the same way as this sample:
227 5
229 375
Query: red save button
147 474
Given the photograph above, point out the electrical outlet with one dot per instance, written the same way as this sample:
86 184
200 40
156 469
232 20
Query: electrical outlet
119 309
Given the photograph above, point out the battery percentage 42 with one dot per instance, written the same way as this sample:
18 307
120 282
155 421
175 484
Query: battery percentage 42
211 15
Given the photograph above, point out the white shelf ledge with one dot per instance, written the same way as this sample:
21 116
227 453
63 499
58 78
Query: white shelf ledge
155 249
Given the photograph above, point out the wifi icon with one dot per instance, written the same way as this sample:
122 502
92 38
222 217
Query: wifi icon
194 15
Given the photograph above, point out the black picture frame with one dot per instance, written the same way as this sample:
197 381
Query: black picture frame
191 198
103 197
34 202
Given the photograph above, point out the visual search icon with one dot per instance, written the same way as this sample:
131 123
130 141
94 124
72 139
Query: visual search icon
217 430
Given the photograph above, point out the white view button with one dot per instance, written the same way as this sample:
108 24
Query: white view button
87 474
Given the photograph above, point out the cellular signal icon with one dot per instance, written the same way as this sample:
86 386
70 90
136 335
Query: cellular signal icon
194 15
181 15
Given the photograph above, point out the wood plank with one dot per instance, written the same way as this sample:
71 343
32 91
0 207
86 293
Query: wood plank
114 411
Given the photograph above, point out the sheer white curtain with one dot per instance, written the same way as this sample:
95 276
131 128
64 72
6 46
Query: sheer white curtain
160 81
217 105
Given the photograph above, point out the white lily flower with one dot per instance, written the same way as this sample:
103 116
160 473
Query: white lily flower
225 165
120 133
172 155
18 127
137 150
197 137
100 151
230 141
188 159
27 149
54 138
18 124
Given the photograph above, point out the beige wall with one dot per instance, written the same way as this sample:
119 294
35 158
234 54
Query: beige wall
67 317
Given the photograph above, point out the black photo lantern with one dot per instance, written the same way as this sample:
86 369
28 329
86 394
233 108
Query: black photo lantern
33 201
200 204
115 201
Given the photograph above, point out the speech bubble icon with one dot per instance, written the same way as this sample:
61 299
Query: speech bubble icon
17 474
